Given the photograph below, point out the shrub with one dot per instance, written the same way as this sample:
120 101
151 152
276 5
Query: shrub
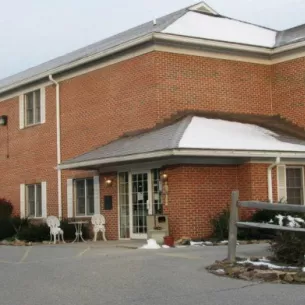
220 225
10 226
289 248
34 232
6 208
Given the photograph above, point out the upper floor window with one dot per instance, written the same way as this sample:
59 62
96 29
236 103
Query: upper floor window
32 105
32 108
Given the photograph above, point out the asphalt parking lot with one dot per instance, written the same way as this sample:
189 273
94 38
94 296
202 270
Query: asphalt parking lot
82 274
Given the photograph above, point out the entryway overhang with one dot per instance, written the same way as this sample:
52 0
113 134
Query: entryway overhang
195 139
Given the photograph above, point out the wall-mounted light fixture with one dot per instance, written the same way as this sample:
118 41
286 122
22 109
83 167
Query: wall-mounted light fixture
3 120
108 181
164 177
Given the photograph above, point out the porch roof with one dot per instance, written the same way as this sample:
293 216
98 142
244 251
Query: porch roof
194 136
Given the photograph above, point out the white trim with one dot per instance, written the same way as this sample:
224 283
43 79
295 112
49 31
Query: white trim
21 111
96 194
22 200
281 191
70 198
42 105
183 152
44 205
202 3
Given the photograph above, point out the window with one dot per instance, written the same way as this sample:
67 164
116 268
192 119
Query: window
33 200
32 108
294 184
157 192
84 194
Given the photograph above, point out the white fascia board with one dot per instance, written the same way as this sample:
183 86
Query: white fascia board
183 152
79 62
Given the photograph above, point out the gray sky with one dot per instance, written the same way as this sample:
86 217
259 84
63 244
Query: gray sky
34 31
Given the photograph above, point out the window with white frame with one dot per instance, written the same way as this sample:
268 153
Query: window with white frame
84 197
32 108
33 200
294 185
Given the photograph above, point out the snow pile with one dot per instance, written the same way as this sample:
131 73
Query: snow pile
265 263
196 243
151 245
289 221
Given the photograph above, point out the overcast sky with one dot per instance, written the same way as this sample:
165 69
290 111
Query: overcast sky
34 31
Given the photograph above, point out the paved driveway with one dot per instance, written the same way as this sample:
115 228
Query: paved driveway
81 275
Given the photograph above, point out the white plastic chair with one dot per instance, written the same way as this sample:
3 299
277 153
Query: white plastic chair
55 230
98 222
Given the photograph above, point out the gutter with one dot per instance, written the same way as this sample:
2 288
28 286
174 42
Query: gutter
182 152
58 145
269 175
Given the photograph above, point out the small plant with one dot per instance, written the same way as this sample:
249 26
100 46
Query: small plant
6 208
289 248
157 228
220 225
34 233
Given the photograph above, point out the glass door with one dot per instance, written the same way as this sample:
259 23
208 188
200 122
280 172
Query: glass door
140 201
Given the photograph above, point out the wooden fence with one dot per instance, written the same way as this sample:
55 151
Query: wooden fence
235 223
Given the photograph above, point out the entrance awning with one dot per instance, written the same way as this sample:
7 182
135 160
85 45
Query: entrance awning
195 136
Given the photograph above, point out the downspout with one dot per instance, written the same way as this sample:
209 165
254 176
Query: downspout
269 174
59 190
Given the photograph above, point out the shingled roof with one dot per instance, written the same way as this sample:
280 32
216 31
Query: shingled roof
199 21
227 136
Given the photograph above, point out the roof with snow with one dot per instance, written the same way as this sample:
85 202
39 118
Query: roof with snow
199 21
195 133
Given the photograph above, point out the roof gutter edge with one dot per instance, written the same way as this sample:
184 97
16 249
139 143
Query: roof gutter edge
184 152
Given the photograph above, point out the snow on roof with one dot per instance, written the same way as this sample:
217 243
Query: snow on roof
198 25
203 133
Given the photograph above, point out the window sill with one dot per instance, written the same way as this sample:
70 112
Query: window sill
32 125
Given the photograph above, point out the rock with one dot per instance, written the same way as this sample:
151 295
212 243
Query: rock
4 242
18 242
268 276
299 277
234 271
288 278
247 276
263 267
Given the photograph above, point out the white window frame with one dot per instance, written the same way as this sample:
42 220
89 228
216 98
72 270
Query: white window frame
35 200
86 197
23 108
302 177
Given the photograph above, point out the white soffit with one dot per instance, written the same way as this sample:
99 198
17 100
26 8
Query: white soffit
203 133
194 24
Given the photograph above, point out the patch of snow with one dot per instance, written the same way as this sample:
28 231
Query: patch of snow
224 29
293 222
303 269
196 243
203 133
151 245
261 263
165 247
264 259
180 246
208 243
224 242
280 218
220 272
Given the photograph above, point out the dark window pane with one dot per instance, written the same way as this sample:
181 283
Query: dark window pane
29 108
31 200
80 197
294 185
90 197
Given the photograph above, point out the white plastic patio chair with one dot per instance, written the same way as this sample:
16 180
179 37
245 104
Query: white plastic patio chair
55 230
98 222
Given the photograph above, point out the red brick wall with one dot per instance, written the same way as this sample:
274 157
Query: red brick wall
99 106
199 193
288 90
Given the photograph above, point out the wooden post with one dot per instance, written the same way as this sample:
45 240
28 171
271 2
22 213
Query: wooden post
233 227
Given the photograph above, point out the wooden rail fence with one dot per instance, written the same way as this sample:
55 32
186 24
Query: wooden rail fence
234 223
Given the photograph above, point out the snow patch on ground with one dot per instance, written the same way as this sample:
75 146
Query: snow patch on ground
151 245
197 243
265 263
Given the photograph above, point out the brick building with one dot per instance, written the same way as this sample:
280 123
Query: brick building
166 118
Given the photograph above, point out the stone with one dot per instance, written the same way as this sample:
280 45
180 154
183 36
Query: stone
247 276
263 267
299 277
219 272
268 276
234 271
288 278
